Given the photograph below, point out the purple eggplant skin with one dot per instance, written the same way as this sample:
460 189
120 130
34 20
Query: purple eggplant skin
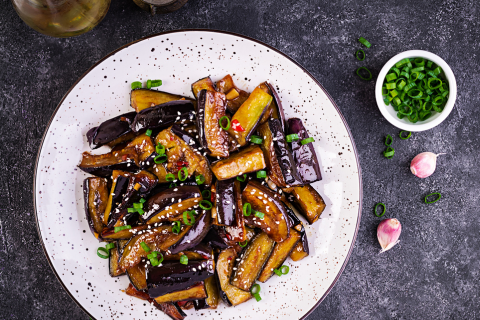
174 276
283 154
202 97
163 115
110 130
159 201
297 225
200 304
216 238
225 202
178 131
204 250
278 103
294 221
304 156
195 235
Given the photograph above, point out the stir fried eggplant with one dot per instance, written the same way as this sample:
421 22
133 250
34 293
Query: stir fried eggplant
174 276
201 251
195 235
95 194
217 238
202 84
275 220
281 168
142 98
180 155
120 181
247 118
268 113
230 294
247 160
163 115
213 296
137 275
277 108
300 251
237 232
103 165
304 156
211 108
126 234
112 131
113 268
252 260
235 96
225 202
308 202
195 292
145 149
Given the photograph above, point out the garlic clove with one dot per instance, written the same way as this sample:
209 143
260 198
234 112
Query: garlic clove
424 164
388 232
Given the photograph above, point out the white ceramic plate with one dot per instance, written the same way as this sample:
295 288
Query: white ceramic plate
180 58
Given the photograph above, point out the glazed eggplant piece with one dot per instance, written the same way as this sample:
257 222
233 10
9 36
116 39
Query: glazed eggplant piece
252 260
301 250
163 115
145 149
213 296
137 276
95 194
174 276
195 235
245 121
307 201
304 156
141 99
281 166
277 108
103 165
230 294
225 202
275 221
216 238
113 258
186 305
237 232
195 292
248 160
170 204
120 181
211 108
235 96
126 234
181 154
157 239
279 254
268 113
112 131
203 84
201 251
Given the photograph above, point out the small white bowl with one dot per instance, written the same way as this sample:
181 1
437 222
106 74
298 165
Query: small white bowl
391 115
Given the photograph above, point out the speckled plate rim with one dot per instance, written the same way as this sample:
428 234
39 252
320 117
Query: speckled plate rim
357 159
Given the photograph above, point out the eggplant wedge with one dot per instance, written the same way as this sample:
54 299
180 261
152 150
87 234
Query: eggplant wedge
300 251
174 276
225 202
308 202
280 163
237 232
211 108
245 121
304 156
170 204
213 296
268 113
201 251
279 254
252 260
247 160
235 96
112 131
230 294
195 235
141 99
137 276
120 181
277 108
195 292
145 149
95 194
163 115
217 238
275 221
181 154
157 239
102 165
203 84
113 258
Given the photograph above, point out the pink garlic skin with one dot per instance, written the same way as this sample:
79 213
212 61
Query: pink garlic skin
388 232
424 164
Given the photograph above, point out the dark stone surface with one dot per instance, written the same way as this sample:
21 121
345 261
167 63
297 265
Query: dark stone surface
432 273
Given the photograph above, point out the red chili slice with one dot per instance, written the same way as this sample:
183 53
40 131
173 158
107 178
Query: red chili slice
182 164
237 126
171 138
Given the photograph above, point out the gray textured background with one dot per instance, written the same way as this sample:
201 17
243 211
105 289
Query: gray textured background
432 273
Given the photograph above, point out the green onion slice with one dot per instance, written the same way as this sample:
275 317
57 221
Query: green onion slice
148 133
161 158
247 209
140 211
156 83
292 137
389 153
143 200
136 85
220 123
144 246
369 77
103 253
388 140
376 211
439 196
184 259
403 137
255 291
183 174
177 227
200 179
131 210
138 205
186 214
261 174
160 149
118 229
285 269
308 140
259 214
170 177
110 245
206 194
149 84
242 178
363 41
243 244
256 139
205 205
278 272
360 54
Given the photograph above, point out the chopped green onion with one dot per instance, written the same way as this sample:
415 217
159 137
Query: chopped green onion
154 262
186 214
160 149
256 139
405 137
244 244
200 179
360 54
103 253
143 200
376 212
118 229
156 83
308 140
433 194
161 158
259 214
136 85
369 77
177 227
389 153
391 77
437 71
152 255
172 185
138 205
292 137
205 205
183 174
242 178
220 122
391 85
388 140
261 174
140 211
255 291
170 177
364 42
184 259
131 210
149 84
284 269
247 209
144 246
148 133
206 194
278 272
110 245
